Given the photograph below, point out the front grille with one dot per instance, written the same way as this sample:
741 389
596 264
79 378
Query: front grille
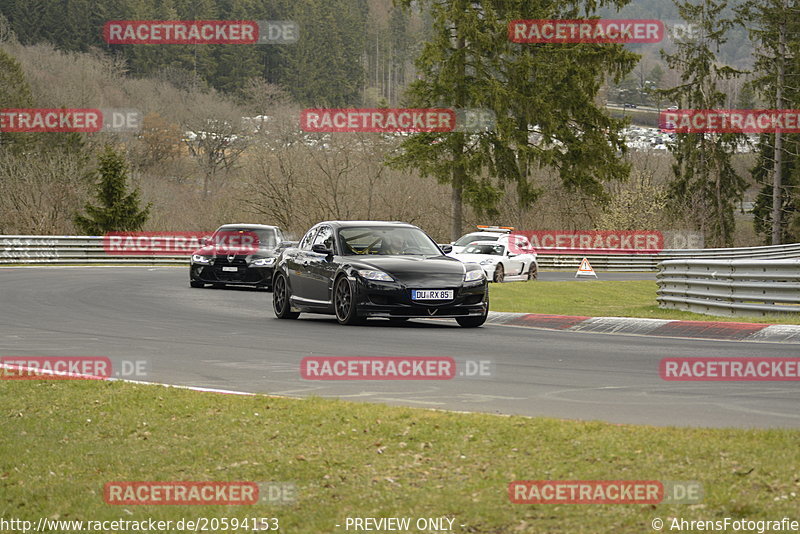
222 261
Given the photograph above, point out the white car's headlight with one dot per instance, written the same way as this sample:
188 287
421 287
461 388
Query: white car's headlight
263 262
473 276
197 258
375 275
488 262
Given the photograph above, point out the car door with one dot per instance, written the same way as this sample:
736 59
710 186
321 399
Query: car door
514 262
296 261
321 267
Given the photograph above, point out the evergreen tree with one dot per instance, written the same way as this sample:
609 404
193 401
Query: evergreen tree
14 93
543 97
324 68
235 64
775 29
705 187
119 209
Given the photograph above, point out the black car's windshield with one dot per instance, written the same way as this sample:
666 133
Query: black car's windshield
471 238
494 250
387 241
266 238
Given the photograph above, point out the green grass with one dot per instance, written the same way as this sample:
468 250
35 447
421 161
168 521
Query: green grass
61 441
600 298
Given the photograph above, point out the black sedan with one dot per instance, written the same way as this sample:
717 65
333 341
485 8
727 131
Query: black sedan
361 269
237 254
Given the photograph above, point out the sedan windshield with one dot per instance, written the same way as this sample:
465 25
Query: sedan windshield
471 238
266 238
494 250
387 241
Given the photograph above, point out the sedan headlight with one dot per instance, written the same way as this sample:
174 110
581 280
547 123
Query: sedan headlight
375 275
197 258
263 262
474 276
488 262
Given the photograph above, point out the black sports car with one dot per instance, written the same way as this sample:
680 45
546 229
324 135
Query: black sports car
224 260
361 269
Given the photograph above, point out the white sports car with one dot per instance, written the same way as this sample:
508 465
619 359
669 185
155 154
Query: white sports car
498 262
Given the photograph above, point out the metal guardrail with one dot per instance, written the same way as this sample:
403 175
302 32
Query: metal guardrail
650 262
730 287
79 250
72 250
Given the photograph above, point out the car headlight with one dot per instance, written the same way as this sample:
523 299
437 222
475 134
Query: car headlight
263 262
474 276
375 275
197 258
488 262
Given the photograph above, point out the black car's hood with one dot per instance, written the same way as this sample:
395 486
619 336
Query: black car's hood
418 271
211 250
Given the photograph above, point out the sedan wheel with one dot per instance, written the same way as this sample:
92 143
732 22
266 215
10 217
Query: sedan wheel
280 300
533 272
344 303
474 321
499 274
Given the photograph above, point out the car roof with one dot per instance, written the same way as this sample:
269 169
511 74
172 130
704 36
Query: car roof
347 224
492 243
249 226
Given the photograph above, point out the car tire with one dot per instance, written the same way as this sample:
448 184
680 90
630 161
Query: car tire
533 272
343 302
281 299
195 283
499 274
474 321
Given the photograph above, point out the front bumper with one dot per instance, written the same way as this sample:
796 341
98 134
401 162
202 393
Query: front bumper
244 275
376 299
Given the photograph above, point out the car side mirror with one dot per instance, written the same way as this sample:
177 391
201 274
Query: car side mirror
319 248
447 249
203 241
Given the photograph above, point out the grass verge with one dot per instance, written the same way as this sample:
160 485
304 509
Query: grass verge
61 441
600 298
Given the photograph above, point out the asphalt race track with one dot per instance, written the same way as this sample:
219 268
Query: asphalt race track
229 339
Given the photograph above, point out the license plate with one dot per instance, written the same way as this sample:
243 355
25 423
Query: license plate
230 269
431 294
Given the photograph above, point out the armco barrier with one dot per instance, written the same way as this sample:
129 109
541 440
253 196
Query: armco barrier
730 287
72 250
66 250
649 262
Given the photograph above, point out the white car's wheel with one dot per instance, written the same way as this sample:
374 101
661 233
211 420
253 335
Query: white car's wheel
533 271
499 274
